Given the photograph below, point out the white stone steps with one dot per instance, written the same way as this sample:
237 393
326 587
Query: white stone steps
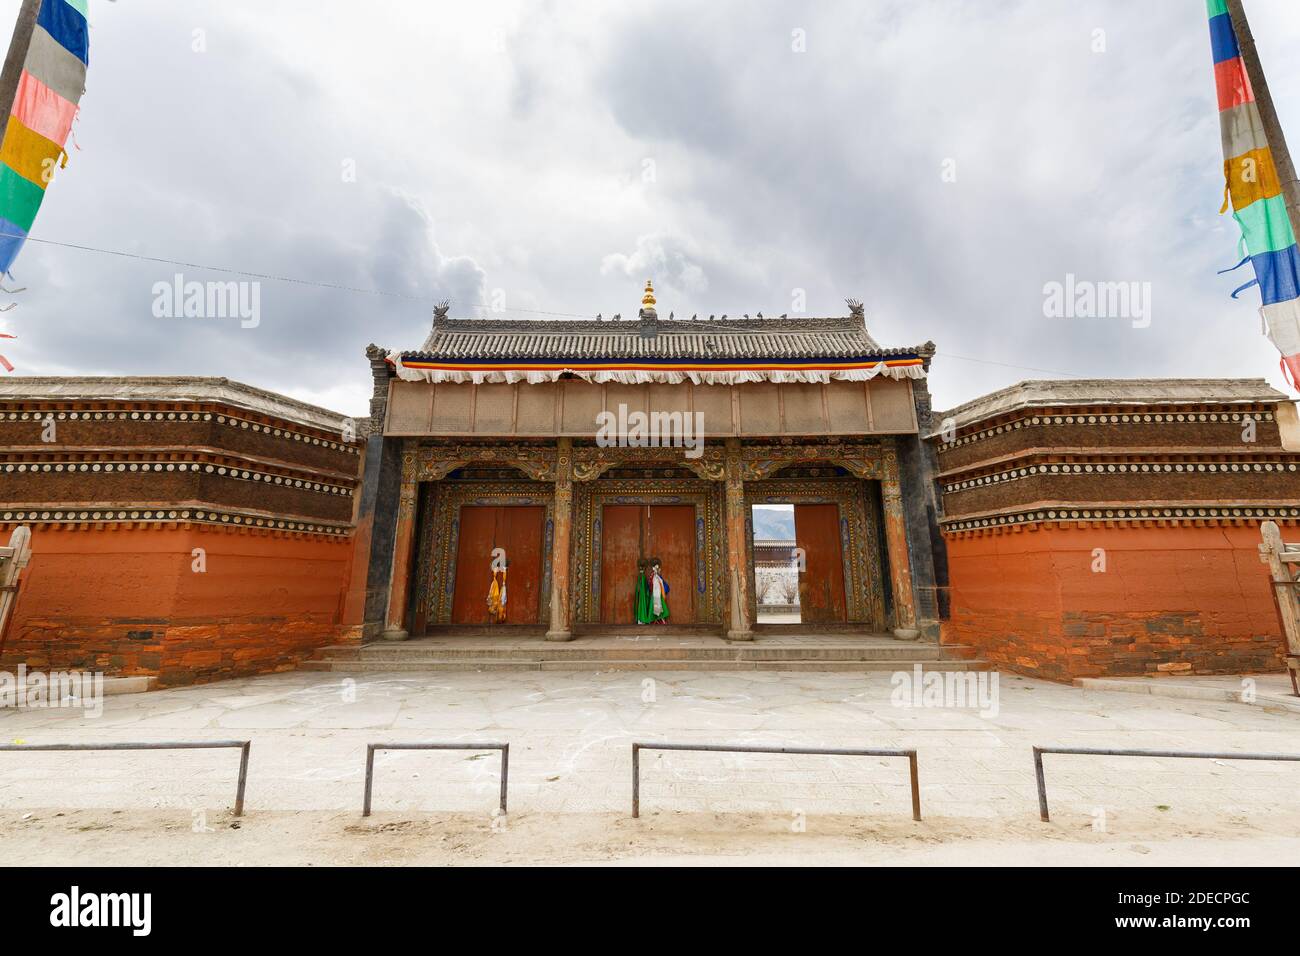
607 664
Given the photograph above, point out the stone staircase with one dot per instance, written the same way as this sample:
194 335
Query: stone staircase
668 648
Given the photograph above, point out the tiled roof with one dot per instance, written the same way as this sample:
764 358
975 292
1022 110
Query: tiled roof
1112 391
673 338
171 388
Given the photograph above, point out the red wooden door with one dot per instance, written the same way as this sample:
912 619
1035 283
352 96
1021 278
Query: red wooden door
621 540
516 530
521 529
821 583
632 532
670 536
473 569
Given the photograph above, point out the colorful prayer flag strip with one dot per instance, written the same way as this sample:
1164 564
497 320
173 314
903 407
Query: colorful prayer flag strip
1255 193
40 120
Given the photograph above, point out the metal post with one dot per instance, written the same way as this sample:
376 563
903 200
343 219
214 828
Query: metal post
636 780
505 774
1108 752
1042 785
435 745
748 749
916 785
243 777
243 746
370 778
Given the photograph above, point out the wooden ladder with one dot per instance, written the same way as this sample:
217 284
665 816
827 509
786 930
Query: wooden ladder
13 558
1283 562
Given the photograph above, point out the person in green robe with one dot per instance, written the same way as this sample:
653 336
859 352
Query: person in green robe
642 608
658 589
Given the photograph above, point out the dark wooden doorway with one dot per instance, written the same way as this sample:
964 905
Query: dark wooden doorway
632 532
821 581
517 530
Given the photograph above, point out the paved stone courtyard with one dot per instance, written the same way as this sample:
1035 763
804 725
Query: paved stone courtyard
570 735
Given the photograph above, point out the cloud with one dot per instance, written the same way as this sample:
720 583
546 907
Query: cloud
500 152
674 262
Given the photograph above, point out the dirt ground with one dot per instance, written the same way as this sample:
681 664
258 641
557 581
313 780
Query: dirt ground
570 738
312 838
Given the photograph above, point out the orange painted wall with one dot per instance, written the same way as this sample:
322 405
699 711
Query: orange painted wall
1177 600
129 602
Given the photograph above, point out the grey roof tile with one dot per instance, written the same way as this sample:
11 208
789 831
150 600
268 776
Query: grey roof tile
675 338
1040 393
166 388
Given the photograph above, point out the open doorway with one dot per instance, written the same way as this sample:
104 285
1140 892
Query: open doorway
799 575
776 564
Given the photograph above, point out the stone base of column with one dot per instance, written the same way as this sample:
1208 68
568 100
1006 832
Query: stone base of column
394 634
906 633
740 635
559 635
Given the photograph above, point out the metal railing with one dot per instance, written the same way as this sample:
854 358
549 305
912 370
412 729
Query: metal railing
435 745
744 749
242 745
1102 752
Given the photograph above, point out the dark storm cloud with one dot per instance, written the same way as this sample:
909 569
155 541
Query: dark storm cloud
231 166
1069 150
554 156
306 334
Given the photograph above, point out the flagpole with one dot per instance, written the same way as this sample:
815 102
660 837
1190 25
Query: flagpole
12 70
1267 112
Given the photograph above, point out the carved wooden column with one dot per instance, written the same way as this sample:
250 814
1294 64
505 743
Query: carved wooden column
738 626
560 628
900 571
403 550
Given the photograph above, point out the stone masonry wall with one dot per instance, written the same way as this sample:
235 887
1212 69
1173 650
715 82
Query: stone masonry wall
189 529
1168 601
130 601
1111 528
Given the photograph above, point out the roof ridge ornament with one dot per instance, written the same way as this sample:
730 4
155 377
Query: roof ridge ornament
856 310
440 310
648 316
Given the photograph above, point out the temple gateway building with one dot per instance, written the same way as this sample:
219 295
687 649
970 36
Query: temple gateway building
649 493
565 476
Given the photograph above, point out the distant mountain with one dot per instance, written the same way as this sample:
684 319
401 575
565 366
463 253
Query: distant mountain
775 524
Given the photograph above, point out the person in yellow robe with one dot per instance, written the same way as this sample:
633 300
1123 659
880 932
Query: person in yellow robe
496 600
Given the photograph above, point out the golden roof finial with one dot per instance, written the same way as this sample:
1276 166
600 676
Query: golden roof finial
648 300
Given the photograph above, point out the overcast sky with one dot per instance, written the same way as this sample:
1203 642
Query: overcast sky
941 161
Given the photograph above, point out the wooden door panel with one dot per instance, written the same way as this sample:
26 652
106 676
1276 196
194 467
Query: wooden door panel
522 537
670 536
821 583
477 538
620 551
518 531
